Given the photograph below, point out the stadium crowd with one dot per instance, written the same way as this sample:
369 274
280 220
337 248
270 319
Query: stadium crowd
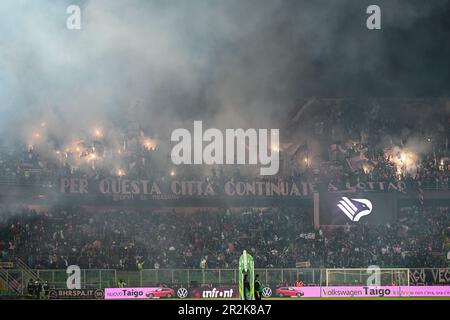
342 141
334 142
278 238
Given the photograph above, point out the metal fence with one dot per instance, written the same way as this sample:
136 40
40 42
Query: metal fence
90 278
93 278
229 276
17 280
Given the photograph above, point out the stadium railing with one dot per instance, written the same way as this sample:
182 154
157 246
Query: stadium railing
98 278
104 278
90 279
228 276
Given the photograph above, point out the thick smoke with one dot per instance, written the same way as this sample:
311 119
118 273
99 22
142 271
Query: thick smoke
159 64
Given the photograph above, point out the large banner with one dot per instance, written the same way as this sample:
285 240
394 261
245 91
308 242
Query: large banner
227 292
193 192
363 291
127 188
139 293
181 193
164 292
386 291
435 276
339 208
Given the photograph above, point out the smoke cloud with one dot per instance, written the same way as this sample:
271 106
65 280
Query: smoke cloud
159 64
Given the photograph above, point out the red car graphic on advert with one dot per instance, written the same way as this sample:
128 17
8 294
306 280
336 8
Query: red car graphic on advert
289 292
161 293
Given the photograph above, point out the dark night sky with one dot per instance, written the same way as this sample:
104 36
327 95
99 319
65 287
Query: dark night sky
410 56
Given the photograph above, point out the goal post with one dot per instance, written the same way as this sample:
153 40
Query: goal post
367 276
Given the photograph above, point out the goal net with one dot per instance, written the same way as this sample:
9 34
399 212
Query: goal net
367 277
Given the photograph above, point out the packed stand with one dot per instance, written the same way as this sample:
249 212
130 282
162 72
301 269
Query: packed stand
277 238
